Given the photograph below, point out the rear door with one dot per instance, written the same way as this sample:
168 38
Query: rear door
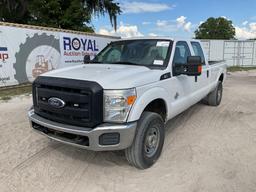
202 84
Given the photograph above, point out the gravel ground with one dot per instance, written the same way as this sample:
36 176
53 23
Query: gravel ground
207 148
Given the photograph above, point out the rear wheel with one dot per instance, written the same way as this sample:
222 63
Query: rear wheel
148 142
214 98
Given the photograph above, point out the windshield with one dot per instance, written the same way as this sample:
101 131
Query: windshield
135 52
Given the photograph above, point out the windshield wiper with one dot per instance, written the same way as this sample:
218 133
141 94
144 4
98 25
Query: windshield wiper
125 62
118 62
95 62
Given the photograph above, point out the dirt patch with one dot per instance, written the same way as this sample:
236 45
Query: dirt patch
206 149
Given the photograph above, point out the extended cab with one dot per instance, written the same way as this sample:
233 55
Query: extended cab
122 98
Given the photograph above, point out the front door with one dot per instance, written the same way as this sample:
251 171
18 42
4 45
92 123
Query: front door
184 86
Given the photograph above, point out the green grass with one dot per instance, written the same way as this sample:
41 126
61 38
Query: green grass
238 68
8 93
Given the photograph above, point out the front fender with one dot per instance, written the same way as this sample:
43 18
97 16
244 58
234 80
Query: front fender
143 100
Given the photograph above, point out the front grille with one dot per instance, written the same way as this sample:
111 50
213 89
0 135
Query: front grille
83 101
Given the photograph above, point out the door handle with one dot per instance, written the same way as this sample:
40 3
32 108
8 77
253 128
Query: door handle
207 72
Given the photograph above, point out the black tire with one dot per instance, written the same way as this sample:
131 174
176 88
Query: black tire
214 98
25 49
205 101
140 154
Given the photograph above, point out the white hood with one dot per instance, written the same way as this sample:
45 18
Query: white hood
109 76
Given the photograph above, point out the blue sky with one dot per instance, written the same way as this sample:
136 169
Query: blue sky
178 18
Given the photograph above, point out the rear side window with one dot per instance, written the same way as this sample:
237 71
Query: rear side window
181 53
198 50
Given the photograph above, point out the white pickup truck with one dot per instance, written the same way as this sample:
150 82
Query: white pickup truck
122 98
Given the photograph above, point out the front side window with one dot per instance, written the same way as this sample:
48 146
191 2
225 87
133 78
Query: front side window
181 53
144 52
198 50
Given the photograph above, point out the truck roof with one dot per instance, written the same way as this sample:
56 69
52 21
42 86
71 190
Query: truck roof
157 37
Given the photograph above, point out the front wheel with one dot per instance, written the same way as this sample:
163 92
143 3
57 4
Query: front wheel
148 142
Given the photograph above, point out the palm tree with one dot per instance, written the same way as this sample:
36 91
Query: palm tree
67 14
100 7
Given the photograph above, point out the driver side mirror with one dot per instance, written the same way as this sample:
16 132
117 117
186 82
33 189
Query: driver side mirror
87 59
193 67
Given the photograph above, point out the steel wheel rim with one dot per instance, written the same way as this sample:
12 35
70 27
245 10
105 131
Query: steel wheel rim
151 141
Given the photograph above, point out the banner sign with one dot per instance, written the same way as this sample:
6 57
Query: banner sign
75 47
26 53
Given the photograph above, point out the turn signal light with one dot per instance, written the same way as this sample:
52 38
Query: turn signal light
199 69
131 99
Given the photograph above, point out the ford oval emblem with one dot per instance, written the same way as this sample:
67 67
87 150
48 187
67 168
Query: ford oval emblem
56 102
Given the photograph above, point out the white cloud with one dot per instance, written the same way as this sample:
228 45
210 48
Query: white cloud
187 26
165 26
125 31
141 7
252 27
162 23
246 32
169 26
245 23
182 23
146 23
152 34
104 32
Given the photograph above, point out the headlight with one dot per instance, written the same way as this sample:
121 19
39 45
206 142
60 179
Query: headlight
118 104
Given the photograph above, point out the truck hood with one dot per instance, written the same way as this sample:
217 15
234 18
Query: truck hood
109 76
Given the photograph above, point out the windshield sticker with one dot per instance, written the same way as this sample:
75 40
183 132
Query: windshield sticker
158 62
163 44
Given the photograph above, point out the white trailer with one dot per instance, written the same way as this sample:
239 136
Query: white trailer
235 52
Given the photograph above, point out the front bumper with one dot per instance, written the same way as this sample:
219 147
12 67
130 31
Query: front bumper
83 137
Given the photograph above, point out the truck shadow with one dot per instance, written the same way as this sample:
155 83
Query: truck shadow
117 158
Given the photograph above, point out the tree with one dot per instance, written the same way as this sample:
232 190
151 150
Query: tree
66 14
15 11
216 28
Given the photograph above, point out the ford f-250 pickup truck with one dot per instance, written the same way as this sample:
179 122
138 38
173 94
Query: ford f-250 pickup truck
122 98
